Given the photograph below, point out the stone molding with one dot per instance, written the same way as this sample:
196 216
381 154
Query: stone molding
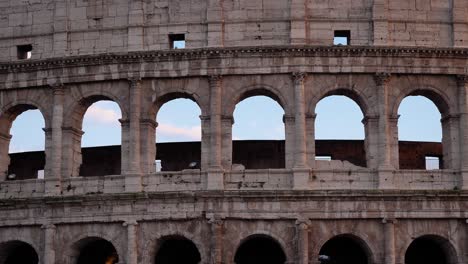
174 55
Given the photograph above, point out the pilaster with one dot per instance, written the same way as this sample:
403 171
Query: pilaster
49 247
300 155
462 83
460 23
215 23
217 236
132 242
299 25
302 231
380 23
389 236
136 21
133 161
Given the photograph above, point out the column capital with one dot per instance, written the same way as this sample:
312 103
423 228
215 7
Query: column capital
147 121
58 88
462 80
389 221
382 78
299 77
303 223
134 82
48 226
216 221
215 78
130 223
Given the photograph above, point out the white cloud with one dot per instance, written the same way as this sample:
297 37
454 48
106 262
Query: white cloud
182 133
101 115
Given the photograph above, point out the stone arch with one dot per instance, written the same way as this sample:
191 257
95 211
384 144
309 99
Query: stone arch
8 115
438 97
257 90
152 246
176 249
257 246
16 251
167 97
350 240
72 133
437 250
355 95
88 249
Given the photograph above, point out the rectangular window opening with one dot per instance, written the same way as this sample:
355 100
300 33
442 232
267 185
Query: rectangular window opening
342 38
432 163
40 174
323 158
177 41
24 52
158 165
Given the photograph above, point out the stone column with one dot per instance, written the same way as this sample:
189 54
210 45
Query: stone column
384 135
216 87
299 25
205 142
215 176
217 235
371 142
132 245
226 138
462 82
49 248
380 22
71 151
300 158
450 141
289 127
148 145
389 236
302 229
310 139
4 157
134 125
57 123
300 169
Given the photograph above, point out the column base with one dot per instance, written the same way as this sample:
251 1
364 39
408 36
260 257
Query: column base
300 180
385 179
53 187
215 179
463 182
133 183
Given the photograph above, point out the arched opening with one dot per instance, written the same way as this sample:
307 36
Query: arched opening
339 131
178 135
95 250
177 249
345 249
260 249
420 134
15 252
258 133
430 249
22 141
100 143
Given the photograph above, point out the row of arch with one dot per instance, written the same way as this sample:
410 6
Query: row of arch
73 115
255 249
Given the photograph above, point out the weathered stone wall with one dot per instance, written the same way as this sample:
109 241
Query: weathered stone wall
78 27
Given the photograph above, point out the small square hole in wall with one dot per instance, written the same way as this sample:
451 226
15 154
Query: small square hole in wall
177 41
432 163
342 37
24 52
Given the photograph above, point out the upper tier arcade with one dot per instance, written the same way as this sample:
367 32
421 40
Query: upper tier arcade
39 29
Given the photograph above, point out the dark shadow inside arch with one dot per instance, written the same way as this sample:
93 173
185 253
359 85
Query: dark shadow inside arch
430 250
96 251
177 249
17 252
260 249
345 249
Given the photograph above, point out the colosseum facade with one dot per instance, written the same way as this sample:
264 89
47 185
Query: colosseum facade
62 56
